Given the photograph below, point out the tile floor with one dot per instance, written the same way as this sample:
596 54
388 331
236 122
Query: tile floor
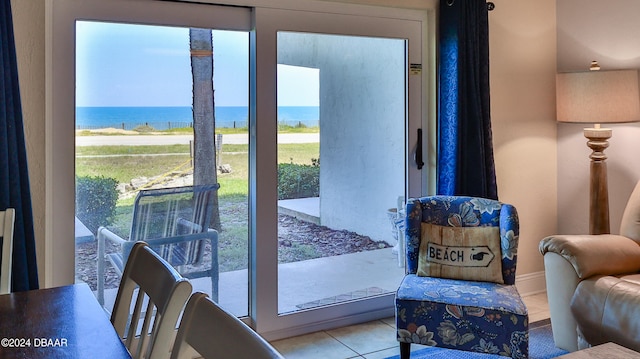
372 340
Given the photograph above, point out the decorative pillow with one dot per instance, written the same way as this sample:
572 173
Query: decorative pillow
468 253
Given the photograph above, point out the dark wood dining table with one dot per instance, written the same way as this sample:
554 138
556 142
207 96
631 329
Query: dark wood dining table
61 322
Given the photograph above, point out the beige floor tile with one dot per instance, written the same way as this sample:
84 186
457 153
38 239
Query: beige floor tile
537 301
383 353
315 345
367 337
372 340
535 317
390 321
538 307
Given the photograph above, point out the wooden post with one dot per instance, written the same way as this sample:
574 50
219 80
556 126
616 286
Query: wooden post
218 144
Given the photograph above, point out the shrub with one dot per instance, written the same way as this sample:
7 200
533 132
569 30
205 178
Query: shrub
144 128
282 126
298 181
96 201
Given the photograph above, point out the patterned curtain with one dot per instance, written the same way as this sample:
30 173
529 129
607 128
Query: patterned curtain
14 178
465 150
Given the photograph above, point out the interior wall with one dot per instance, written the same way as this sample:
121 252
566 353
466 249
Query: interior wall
29 32
523 67
607 32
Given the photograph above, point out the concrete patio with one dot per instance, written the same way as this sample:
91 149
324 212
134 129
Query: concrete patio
310 283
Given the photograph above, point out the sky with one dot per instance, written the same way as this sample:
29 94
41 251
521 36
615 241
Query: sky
143 65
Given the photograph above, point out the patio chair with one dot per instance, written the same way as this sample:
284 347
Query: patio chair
459 291
175 223
7 218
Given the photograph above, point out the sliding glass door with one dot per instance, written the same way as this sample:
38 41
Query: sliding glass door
345 114
317 110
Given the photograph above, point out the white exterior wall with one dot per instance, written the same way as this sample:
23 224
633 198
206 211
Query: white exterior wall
362 126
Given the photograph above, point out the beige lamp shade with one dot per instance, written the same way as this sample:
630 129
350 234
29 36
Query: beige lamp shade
598 96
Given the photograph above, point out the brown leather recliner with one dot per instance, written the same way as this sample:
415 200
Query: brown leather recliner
593 284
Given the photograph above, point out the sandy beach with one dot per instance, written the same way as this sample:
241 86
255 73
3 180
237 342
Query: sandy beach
131 138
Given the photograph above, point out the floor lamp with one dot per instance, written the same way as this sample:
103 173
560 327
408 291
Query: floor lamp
598 97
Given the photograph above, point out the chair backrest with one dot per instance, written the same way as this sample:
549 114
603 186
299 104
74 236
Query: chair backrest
160 298
7 218
172 212
630 224
214 333
462 211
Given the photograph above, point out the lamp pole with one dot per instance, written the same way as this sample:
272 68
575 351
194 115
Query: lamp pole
599 188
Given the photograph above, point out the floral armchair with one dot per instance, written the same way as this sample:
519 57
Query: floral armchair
457 313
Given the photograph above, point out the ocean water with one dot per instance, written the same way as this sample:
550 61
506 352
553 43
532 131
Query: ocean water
162 118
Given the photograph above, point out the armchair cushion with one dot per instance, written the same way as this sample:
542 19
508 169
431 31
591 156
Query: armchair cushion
464 315
468 253
604 254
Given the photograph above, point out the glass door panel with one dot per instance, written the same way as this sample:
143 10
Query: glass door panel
136 129
342 114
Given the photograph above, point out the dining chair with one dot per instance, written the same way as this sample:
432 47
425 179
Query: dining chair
7 218
212 332
158 294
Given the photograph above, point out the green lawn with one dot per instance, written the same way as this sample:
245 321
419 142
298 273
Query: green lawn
124 163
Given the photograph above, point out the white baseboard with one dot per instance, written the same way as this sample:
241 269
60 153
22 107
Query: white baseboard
531 283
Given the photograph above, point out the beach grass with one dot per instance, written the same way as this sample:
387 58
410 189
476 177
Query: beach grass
129 150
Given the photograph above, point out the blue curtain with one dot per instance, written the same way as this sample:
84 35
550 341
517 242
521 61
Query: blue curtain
14 178
465 150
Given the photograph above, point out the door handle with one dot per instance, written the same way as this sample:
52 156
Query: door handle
419 161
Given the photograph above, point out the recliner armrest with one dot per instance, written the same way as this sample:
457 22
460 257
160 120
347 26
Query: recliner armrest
604 254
